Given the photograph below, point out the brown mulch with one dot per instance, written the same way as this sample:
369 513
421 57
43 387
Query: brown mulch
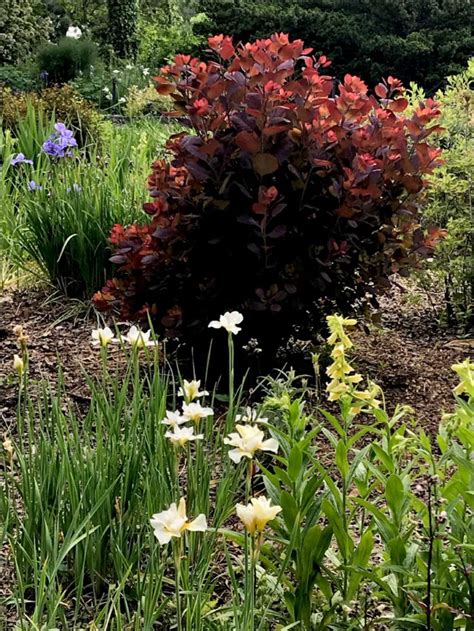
409 355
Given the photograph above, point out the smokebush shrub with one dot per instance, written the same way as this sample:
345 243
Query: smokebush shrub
66 59
291 197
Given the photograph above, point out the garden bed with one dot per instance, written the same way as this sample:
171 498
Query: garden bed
409 354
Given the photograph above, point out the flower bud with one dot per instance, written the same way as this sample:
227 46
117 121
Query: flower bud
18 365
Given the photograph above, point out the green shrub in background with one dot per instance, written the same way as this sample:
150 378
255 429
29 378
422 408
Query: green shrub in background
166 31
20 78
450 199
64 103
22 29
63 61
109 88
414 40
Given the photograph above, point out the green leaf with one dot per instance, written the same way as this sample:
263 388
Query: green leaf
295 463
395 495
282 475
360 559
397 549
343 538
387 529
341 458
289 509
333 420
384 457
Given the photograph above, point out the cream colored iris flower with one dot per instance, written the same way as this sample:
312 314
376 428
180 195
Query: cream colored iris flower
247 440
182 435
228 321
172 419
137 338
102 337
190 390
174 522
257 514
195 412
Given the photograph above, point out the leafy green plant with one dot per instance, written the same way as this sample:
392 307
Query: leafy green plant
17 112
123 17
63 61
23 78
449 200
412 40
162 36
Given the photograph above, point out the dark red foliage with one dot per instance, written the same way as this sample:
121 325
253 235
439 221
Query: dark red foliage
294 195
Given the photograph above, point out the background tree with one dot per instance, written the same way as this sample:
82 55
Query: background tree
123 18
22 28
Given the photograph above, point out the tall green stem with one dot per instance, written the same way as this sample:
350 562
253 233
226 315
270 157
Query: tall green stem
177 564
230 413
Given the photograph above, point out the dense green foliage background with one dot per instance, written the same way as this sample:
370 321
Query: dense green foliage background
415 40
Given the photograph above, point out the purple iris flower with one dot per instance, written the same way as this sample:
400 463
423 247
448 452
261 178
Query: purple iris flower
19 158
75 187
60 143
64 132
33 186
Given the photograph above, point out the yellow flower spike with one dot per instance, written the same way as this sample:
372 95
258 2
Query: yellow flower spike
336 324
336 389
465 371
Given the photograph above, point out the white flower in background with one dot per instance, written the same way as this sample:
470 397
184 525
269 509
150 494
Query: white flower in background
228 321
247 441
173 418
257 514
18 364
182 435
190 390
195 412
107 93
102 337
129 67
174 522
251 416
146 72
116 72
74 32
137 338
122 99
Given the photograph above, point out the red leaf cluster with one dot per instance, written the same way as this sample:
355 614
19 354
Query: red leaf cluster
293 194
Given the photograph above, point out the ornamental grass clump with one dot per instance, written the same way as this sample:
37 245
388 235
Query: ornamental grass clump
292 194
